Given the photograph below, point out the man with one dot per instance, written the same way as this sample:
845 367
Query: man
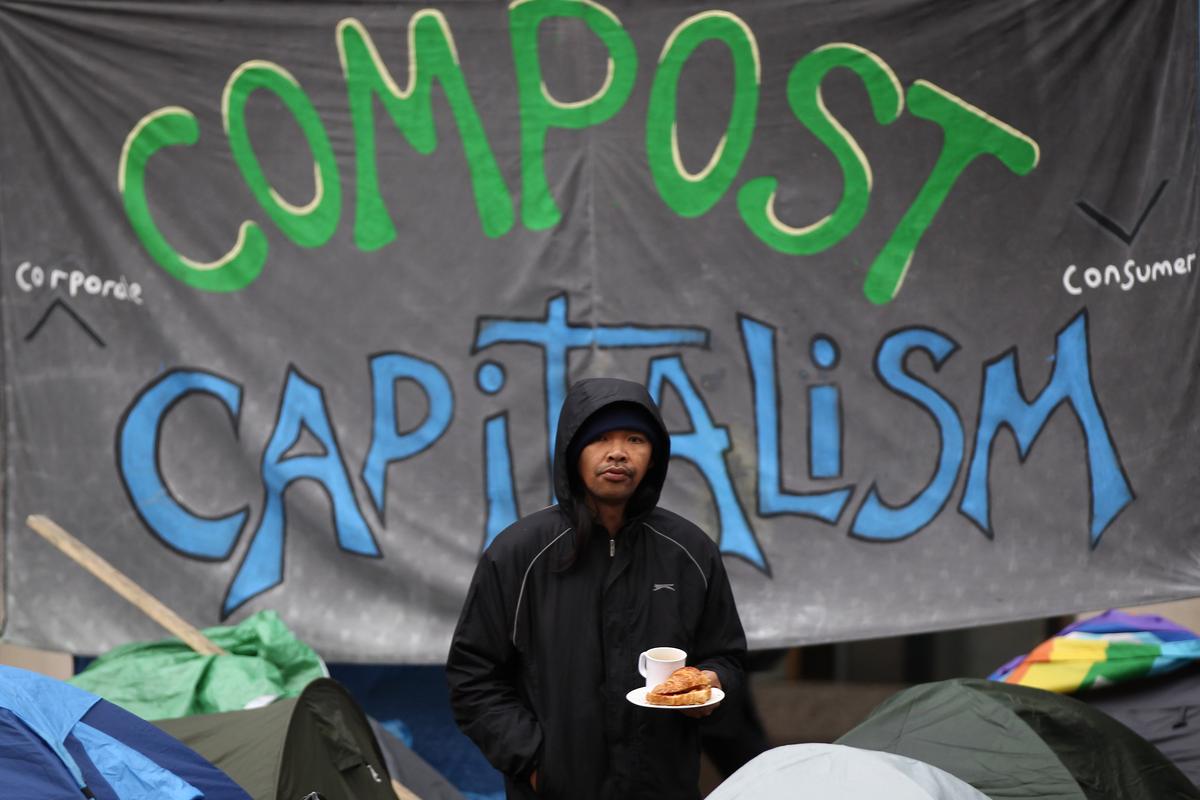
563 602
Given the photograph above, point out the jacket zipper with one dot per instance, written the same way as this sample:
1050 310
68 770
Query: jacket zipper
612 547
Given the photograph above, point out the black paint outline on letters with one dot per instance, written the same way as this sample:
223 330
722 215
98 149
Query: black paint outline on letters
235 418
963 460
990 531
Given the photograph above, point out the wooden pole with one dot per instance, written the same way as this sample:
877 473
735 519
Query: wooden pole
87 558
402 792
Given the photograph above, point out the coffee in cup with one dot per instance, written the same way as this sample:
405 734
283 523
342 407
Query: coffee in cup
657 663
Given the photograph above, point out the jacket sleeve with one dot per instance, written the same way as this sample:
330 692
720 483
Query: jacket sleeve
482 669
720 642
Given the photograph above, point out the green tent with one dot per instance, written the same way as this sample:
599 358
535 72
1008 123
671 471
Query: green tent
1015 742
318 742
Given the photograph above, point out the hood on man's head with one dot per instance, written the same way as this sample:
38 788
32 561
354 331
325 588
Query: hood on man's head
615 417
621 401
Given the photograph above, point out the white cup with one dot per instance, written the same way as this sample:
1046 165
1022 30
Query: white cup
658 663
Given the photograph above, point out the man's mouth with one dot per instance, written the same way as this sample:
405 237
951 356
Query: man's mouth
615 473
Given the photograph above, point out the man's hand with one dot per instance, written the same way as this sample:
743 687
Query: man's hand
533 780
714 682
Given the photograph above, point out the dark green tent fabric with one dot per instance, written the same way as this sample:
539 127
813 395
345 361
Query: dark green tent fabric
1162 709
317 742
167 678
970 735
1017 742
1107 759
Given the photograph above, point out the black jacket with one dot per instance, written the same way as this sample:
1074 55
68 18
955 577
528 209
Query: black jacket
543 657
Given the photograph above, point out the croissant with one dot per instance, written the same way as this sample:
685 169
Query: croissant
686 686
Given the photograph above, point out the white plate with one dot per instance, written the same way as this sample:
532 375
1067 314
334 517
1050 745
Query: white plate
638 698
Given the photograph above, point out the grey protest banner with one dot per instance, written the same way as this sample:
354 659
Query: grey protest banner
291 299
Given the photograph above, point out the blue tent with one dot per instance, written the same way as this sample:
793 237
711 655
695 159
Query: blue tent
57 741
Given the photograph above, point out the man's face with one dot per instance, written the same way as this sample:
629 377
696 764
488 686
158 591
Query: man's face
613 464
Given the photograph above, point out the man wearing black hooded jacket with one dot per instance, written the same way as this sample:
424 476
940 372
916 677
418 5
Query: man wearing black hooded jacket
564 601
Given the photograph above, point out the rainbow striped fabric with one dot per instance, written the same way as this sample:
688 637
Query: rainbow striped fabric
1106 649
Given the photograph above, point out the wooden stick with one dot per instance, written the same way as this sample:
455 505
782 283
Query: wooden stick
87 558
402 792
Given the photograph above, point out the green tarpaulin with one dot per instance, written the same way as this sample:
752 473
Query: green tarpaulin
167 678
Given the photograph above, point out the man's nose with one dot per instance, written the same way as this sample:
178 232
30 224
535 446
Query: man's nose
617 453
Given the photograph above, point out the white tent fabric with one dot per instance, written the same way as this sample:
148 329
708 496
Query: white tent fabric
839 772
